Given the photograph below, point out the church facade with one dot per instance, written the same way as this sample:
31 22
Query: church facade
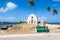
32 19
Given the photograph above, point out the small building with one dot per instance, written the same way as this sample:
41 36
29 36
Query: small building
32 19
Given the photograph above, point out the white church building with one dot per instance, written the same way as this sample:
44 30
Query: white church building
32 19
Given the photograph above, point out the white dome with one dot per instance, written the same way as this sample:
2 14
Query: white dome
32 19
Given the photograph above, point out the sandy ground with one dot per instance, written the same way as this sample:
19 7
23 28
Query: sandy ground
49 36
25 28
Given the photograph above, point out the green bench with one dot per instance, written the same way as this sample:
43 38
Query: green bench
42 29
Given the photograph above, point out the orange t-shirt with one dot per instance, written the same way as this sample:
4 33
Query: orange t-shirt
44 24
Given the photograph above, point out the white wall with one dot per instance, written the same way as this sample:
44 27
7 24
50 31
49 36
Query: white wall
35 19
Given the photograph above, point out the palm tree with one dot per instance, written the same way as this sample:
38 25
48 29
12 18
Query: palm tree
48 8
55 13
31 3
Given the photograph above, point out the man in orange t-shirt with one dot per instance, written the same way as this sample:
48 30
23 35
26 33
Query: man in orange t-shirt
44 25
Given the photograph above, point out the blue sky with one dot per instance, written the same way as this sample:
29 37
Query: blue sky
19 10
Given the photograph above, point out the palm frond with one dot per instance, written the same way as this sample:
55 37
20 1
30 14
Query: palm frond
55 11
31 3
48 8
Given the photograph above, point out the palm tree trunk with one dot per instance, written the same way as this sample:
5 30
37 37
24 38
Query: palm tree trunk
51 19
57 18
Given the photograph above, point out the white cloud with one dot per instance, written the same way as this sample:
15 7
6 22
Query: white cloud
55 5
43 18
56 0
0 17
8 18
39 18
9 6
